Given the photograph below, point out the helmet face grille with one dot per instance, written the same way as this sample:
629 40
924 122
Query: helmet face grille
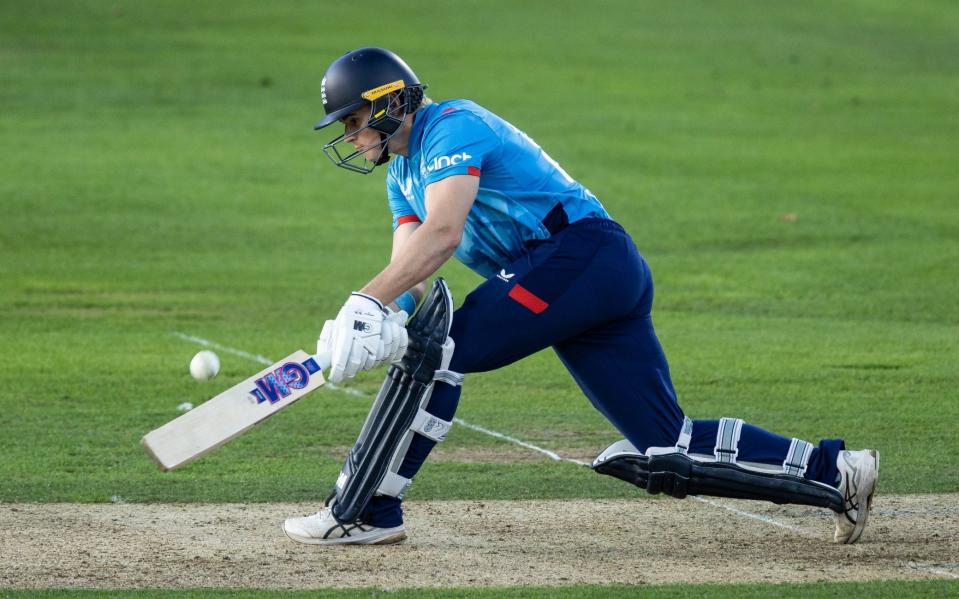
344 156
379 79
386 117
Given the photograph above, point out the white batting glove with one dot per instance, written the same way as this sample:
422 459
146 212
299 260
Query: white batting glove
364 335
324 346
396 321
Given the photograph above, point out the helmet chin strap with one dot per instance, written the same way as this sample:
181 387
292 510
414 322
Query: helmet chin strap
409 100
385 154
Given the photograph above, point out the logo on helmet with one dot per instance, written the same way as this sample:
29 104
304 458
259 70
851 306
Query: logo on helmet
323 90
378 92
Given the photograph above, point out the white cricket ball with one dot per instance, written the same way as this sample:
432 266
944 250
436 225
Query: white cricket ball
205 365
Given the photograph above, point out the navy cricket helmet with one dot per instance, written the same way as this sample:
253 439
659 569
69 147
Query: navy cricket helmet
368 76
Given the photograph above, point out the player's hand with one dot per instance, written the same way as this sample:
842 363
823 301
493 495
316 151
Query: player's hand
363 335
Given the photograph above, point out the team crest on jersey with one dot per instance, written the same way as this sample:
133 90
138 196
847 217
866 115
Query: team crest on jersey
406 187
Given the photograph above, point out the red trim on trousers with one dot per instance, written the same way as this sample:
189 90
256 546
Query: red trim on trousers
527 299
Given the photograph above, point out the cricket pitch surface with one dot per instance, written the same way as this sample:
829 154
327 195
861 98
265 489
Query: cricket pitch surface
475 543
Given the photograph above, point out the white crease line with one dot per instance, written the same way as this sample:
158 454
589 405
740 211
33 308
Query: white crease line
230 350
742 513
357 393
555 456
550 454
940 572
752 516
933 570
914 512
256 358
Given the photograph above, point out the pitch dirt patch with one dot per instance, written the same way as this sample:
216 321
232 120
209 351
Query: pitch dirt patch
474 543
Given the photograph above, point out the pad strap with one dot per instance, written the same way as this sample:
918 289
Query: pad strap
682 443
797 458
430 426
727 440
685 436
394 485
449 377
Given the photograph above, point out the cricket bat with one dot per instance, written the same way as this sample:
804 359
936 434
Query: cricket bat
236 410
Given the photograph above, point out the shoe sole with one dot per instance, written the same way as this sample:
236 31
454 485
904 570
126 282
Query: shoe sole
862 514
391 538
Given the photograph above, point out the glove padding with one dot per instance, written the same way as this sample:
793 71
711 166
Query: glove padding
365 334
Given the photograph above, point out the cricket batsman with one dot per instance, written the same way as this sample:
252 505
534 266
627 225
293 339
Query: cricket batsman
559 272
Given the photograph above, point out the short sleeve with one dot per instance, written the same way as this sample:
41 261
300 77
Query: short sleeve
457 143
399 205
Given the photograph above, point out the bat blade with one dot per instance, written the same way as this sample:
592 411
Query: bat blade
236 410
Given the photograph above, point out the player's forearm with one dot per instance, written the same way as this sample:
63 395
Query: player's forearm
416 292
428 248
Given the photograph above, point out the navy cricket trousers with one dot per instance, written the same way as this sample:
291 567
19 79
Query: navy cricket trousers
588 293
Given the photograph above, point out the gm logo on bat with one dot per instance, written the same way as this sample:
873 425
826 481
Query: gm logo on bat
278 385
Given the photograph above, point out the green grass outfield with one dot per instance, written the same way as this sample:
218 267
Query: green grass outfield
788 171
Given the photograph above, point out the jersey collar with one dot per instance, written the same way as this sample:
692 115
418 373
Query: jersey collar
416 133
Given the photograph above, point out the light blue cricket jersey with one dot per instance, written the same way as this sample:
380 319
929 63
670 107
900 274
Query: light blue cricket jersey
519 183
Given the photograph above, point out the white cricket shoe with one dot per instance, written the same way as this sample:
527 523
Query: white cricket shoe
322 529
858 474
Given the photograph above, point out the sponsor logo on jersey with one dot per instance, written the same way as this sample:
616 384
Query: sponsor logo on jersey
505 276
441 162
